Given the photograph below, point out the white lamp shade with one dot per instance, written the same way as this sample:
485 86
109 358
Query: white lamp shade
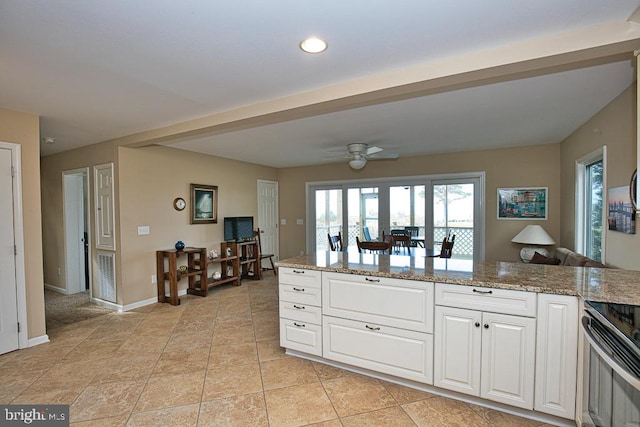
533 235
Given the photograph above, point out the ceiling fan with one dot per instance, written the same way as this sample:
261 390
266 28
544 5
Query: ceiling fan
359 153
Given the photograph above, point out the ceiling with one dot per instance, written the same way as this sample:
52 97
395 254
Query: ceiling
227 78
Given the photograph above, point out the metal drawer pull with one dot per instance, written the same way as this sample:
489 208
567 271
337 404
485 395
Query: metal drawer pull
298 307
298 290
373 329
299 325
372 280
482 292
298 271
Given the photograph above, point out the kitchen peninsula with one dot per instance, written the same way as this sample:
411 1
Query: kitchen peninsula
497 333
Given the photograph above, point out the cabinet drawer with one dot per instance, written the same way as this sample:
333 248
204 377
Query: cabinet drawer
299 277
300 294
405 304
301 336
405 354
503 301
301 312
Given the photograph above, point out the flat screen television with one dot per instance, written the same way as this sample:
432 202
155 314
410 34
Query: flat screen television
238 228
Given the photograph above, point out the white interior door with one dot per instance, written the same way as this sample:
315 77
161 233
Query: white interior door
74 221
9 336
268 216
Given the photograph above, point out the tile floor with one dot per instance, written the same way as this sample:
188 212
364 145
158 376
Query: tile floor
208 362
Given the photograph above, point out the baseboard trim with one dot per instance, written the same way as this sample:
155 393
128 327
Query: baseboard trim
62 291
42 339
132 306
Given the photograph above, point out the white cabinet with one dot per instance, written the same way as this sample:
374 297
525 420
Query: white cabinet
557 355
398 352
300 310
490 355
379 323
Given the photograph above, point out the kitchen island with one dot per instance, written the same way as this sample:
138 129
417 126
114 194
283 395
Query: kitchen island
501 334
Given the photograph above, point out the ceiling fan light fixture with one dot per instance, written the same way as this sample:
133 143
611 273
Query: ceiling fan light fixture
357 163
313 45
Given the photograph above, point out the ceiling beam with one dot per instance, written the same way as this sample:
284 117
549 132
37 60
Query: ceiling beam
596 45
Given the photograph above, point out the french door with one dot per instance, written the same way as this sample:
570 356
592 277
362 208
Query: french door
436 205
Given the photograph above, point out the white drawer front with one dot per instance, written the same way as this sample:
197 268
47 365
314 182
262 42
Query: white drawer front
402 304
301 336
405 354
300 277
493 300
301 294
301 312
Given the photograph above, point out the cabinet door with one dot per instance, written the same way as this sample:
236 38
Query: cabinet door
457 349
556 355
508 359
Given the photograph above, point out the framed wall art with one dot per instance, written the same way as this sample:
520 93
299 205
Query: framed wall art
622 215
522 203
204 204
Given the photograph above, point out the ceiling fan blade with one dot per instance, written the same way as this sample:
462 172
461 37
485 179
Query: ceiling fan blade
383 156
373 150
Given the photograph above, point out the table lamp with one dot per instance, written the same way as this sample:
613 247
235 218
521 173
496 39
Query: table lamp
534 237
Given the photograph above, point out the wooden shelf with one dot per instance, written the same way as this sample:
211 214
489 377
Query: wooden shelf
196 267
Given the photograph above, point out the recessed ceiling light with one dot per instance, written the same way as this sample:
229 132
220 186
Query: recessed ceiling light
313 45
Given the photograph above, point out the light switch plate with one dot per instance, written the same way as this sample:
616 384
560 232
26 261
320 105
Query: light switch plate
299 221
143 229
283 221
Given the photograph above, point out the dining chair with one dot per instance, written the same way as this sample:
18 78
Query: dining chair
385 246
256 234
335 242
414 232
446 250
401 239
366 234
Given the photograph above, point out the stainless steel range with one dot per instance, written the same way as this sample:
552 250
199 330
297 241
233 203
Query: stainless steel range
612 365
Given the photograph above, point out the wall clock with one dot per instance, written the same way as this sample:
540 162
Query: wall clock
179 203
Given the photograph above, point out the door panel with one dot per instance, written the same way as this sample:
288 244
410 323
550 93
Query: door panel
268 216
508 358
457 349
105 238
8 291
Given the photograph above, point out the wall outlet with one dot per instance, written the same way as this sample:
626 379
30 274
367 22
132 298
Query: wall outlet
301 253
59 271
154 279
283 221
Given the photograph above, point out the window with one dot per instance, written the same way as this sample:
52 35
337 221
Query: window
590 219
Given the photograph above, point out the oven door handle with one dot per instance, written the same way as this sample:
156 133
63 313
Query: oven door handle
617 368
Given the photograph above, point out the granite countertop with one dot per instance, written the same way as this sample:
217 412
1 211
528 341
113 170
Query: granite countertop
595 284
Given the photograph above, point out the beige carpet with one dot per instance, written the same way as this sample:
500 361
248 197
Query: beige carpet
62 309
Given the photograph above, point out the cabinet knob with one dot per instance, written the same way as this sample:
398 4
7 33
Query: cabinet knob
486 326
477 324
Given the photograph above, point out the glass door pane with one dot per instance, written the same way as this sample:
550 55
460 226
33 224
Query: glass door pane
406 207
593 211
328 216
362 214
453 213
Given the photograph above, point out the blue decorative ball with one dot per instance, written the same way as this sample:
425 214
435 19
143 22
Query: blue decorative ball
179 245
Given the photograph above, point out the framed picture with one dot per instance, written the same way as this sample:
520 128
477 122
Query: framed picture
522 203
622 216
204 204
